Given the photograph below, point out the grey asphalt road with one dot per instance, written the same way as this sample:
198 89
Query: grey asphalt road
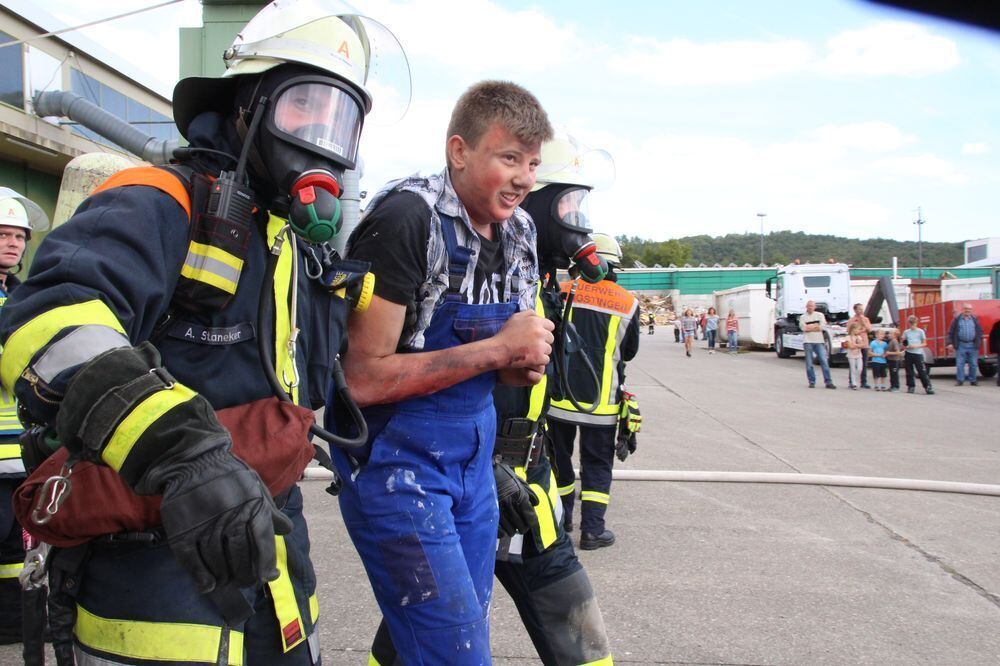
764 574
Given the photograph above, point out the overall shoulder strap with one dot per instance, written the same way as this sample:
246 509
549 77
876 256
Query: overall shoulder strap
458 256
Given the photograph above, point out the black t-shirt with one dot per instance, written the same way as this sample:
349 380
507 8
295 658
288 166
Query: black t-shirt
394 239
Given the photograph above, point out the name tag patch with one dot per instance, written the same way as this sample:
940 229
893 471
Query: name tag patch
208 335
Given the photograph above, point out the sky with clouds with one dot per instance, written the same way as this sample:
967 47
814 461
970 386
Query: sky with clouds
830 116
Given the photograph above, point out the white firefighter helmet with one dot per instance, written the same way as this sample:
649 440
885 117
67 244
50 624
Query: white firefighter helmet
566 161
327 35
22 212
608 248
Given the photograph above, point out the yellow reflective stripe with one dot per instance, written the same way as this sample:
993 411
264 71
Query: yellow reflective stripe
11 570
286 608
10 451
156 641
372 661
536 400
138 421
216 253
546 520
567 490
25 342
284 365
594 496
606 661
208 277
314 608
608 391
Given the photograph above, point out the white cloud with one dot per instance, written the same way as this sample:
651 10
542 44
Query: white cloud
926 166
877 137
975 149
680 62
888 48
479 35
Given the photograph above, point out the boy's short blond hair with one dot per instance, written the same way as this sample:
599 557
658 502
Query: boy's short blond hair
503 102
912 319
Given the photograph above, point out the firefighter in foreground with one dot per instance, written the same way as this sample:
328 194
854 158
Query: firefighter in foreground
454 260
536 562
19 216
153 307
606 316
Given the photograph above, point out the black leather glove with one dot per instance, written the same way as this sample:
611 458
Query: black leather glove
517 501
220 521
625 443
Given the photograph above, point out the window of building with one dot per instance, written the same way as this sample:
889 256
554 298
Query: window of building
44 74
975 252
11 73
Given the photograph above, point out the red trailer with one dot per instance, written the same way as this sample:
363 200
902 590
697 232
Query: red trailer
936 319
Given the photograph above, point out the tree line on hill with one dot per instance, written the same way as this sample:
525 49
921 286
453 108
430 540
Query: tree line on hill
784 247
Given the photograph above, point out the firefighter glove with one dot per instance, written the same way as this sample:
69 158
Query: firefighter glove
625 443
629 413
220 521
517 501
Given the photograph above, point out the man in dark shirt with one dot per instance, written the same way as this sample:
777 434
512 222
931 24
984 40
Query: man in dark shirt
453 312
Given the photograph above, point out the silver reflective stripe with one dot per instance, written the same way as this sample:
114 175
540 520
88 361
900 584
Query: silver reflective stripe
200 262
85 659
12 466
516 544
78 347
313 642
560 414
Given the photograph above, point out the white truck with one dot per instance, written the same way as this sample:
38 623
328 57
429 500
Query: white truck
754 311
829 285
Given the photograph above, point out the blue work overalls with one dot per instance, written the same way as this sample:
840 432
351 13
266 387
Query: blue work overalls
422 510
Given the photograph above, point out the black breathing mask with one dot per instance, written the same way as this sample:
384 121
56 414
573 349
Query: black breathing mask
559 213
307 140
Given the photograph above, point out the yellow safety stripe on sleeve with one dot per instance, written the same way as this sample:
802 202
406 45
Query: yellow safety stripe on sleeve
213 266
286 608
567 490
10 451
11 570
594 496
314 609
372 661
606 661
25 342
546 520
609 388
156 641
536 400
138 421
284 364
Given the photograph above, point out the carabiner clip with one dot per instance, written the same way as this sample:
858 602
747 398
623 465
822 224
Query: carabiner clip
54 492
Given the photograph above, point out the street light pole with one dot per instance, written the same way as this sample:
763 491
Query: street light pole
920 221
761 216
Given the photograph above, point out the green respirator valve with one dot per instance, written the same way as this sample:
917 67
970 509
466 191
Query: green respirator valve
315 214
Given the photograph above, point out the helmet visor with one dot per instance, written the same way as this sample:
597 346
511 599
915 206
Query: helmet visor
322 118
571 211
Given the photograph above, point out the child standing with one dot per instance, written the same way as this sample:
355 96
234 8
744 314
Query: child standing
732 332
854 343
877 360
915 340
893 357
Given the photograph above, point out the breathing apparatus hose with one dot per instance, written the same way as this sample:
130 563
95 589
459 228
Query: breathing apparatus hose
265 314
561 356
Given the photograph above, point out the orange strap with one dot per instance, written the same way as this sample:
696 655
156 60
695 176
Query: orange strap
151 177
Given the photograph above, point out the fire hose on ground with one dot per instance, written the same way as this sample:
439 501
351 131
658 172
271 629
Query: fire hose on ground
793 478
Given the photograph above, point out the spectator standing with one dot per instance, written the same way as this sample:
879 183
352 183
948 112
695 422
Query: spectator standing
995 346
915 340
894 356
711 329
732 331
652 323
854 345
866 326
689 326
677 329
701 326
877 359
812 324
964 337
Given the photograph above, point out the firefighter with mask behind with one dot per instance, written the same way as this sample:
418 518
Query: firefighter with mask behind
19 216
170 345
536 562
606 318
